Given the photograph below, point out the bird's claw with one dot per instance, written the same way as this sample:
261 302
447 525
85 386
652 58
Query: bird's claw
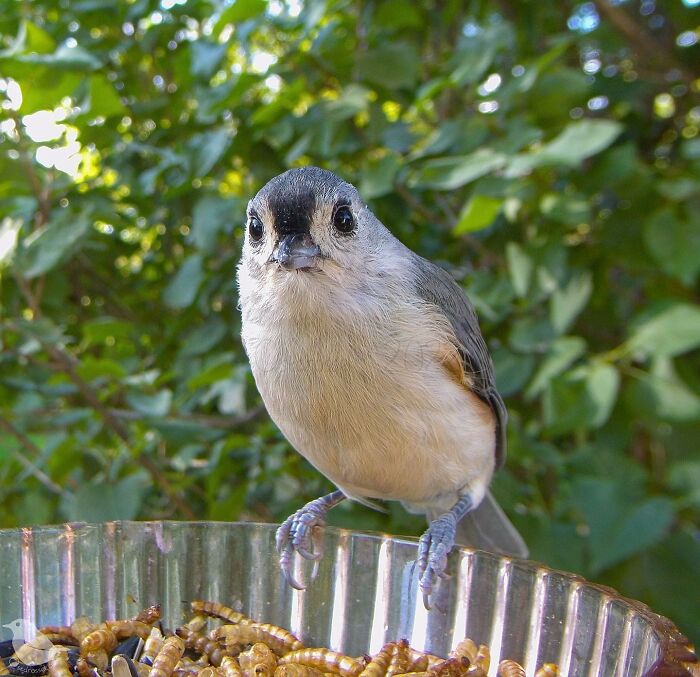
433 548
299 533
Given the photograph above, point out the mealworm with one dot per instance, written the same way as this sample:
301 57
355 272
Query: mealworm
217 610
58 662
258 661
231 667
325 660
168 657
509 668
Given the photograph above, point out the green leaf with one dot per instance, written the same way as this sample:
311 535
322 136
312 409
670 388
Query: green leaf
531 334
398 14
476 53
542 62
578 141
182 289
106 501
582 398
44 88
46 247
157 404
570 210
619 526
663 394
680 189
602 385
9 232
207 148
211 215
684 478
352 100
668 574
520 267
393 66
219 371
30 39
512 370
64 58
240 10
36 508
105 328
562 353
667 331
472 64
94 367
378 177
448 173
674 243
553 541
230 395
204 338
35 39
206 57
478 213
567 302
104 99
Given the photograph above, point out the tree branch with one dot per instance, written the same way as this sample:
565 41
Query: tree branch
66 364
206 420
647 47
42 194
27 463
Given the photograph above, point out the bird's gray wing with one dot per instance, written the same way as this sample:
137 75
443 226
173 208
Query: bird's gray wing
437 287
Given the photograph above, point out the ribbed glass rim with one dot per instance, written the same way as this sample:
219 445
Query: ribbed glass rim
677 656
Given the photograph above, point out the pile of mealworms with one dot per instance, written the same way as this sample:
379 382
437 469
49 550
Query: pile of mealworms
238 647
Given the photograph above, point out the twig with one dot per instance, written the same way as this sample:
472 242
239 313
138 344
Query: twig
416 204
114 424
643 43
206 420
449 218
28 295
28 464
446 209
41 194
66 364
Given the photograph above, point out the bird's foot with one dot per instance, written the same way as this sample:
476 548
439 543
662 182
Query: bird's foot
301 533
435 545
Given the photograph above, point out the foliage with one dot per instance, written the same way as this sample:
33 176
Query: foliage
546 153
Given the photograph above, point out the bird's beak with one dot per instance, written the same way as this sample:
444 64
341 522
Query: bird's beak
295 251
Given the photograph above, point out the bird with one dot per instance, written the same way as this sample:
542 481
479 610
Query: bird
370 360
30 646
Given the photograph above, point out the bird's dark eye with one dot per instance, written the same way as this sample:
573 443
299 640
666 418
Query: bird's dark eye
343 220
255 229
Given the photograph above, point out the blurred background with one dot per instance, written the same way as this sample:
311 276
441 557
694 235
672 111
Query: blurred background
546 153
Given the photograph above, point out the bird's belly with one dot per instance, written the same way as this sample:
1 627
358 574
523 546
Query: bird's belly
379 418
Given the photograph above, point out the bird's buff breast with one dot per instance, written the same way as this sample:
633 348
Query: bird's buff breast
367 401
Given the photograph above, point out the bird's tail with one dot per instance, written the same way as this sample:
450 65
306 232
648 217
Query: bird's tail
487 528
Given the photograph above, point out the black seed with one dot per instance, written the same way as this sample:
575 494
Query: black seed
15 667
130 647
6 648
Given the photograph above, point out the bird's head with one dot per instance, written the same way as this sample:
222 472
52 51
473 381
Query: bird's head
21 628
307 221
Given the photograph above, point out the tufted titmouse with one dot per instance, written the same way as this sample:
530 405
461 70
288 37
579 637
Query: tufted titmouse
370 360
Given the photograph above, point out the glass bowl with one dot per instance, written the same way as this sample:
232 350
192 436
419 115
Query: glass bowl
365 594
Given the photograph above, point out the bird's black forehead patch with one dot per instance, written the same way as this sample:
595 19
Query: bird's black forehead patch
292 197
292 211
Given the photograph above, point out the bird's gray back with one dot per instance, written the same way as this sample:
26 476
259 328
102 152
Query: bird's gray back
437 287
